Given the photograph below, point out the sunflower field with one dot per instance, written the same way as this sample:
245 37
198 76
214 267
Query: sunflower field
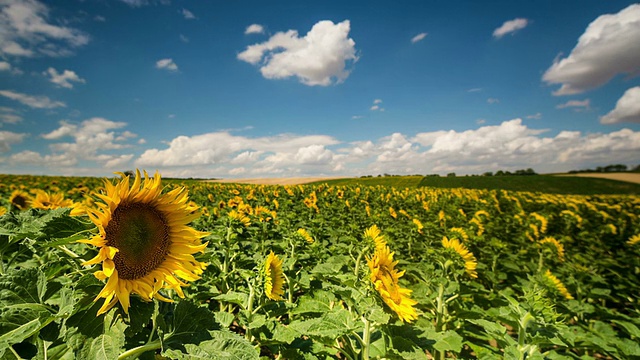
137 267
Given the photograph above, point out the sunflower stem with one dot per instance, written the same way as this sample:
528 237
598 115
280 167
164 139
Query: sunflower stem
360 255
249 308
366 338
137 351
68 252
540 262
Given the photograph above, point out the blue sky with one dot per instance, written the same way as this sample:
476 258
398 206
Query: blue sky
251 89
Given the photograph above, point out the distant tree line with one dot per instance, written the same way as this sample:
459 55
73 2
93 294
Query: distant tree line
608 168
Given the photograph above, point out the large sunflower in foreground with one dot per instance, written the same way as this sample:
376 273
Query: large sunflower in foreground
385 279
273 277
145 243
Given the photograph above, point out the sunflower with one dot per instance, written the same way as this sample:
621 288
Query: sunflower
240 217
556 245
470 262
274 277
145 243
305 234
635 239
374 234
47 201
3 210
20 199
558 285
385 277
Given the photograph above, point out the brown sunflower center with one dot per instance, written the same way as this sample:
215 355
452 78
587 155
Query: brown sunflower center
141 234
20 201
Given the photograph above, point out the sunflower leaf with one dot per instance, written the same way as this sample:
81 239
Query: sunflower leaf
191 324
108 345
223 345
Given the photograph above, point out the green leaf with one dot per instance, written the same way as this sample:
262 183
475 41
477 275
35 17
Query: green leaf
108 345
233 297
284 334
630 328
448 341
316 302
331 325
223 345
191 323
224 318
22 286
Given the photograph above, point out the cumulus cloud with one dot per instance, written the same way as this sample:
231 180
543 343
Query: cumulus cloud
36 102
577 105
627 108
254 29
188 14
609 46
418 37
8 138
166 64
94 140
221 147
318 58
510 26
64 79
26 31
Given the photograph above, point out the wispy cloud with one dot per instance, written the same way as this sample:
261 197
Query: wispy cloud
510 26
37 102
418 37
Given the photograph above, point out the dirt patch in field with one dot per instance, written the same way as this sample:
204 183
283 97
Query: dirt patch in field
276 181
628 177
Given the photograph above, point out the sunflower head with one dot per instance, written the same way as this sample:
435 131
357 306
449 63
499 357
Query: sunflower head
50 201
145 243
557 284
305 235
20 199
470 262
385 278
374 235
273 277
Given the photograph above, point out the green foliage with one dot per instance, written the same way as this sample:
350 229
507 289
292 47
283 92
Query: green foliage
330 309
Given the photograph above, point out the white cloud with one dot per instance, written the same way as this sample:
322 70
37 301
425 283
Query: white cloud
37 102
536 116
510 145
577 105
377 101
94 140
418 37
318 58
356 117
99 18
8 138
64 80
480 121
474 90
188 14
166 64
184 39
609 46
27 32
5 66
493 100
374 108
220 147
627 108
9 115
135 3
510 27
254 29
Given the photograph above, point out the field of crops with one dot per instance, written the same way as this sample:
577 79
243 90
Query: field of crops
128 268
